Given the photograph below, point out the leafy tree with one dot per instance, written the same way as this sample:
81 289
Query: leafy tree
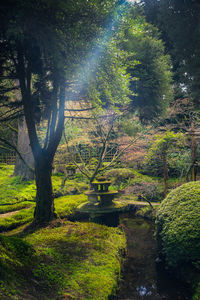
153 76
179 22
162 146
43 44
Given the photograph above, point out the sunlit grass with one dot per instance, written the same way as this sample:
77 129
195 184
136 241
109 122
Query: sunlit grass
66 205
64 260
21 217
19 197
12 188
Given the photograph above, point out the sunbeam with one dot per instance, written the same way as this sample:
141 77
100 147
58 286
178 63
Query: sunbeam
84 73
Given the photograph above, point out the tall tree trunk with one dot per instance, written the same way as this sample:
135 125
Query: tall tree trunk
23 146
44 210
193 152
165 174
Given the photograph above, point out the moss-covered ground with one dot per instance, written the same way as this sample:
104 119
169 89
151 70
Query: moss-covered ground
65 260
62 261
17 198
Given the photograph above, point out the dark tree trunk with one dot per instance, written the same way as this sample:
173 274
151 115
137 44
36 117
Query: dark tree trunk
23 146
44 210
165 174
43 155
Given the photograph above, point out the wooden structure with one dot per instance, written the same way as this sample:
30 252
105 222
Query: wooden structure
8 158
194 134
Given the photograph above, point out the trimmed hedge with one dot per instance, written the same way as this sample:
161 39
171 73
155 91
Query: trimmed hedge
178 224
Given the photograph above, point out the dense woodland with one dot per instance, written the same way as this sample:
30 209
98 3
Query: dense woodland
97 91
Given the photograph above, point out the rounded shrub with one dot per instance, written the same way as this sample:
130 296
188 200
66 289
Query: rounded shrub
178 224
120 176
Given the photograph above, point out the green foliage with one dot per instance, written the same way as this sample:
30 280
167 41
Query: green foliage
165 143
179 162
178 226
179 22
196 295
109 88
120 177
146 212
130 126
167 147
152 87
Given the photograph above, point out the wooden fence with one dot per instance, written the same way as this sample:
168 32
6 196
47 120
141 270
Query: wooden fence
8 158
87 153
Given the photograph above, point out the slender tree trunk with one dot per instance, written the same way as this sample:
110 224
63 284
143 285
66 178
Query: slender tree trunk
44 211
165 174
193 152
23 145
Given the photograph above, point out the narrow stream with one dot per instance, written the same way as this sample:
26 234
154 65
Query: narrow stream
143 278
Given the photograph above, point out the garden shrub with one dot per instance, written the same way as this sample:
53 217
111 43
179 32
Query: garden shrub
178 224
71 187
120 177
147 189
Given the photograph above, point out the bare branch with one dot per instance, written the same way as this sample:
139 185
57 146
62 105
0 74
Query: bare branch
79 110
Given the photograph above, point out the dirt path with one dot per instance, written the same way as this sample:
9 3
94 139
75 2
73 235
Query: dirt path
11 213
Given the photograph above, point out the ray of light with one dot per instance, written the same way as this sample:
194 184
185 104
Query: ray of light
83 75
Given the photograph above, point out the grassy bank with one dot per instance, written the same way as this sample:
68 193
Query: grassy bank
62 261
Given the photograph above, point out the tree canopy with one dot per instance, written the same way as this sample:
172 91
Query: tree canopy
179 23
152 73
44 55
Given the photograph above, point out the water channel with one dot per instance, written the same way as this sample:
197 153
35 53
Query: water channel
143 277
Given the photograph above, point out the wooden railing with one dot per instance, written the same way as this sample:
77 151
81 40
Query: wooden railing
8 158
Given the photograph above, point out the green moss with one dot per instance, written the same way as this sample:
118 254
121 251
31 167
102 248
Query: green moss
178 221
71 260
21 217
66 205
16 256
83 259
14 207
72 187
14 190
65 259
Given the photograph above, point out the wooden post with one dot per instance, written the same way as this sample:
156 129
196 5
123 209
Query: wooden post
193 151
165 174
